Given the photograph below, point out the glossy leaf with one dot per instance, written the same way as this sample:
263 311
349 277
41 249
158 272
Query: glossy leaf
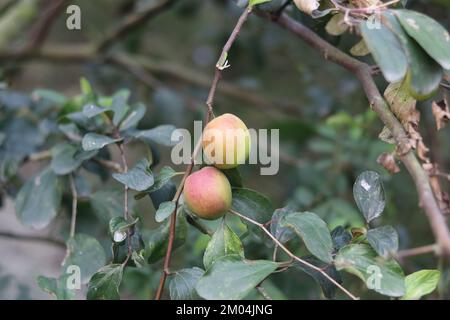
104 284
431 36
282 233
66 158
386 51
95 141
118 227
223 242
341 237
157 239
383 276
231 278
254 205
91 110
384 240
37 202
328 288
182 284
161 135
313 231
424 73
138 178
369 194
165 209
133 118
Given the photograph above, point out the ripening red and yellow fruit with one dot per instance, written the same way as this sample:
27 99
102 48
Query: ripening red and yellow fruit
226 141
207 193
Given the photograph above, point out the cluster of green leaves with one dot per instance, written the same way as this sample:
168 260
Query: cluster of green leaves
72 135
368 254
411 45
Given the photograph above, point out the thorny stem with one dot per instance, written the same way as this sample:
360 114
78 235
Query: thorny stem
209 103
293 256
73 221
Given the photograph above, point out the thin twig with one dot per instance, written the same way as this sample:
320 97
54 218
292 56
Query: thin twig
432 248
209 114
293 256
263 292
32 238
41 29
134 21
73 220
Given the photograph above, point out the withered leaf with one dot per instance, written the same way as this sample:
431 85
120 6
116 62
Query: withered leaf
387 160
441 113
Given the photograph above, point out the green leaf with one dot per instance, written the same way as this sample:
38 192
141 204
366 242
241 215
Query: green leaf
157 239
223 242
119 105
253 205
118 227
133 118
56 287
71 131
386 51
107 204
182 284
313 231
369 194
95 141
256 2
383 276
104 284
282 233
164 211
160 135
86 87
424 73
138 178
431 36
421 283
384 240
232 278
37 202
234 177
161 179
50 95
91 110
85 252
341 237
328 288
66 158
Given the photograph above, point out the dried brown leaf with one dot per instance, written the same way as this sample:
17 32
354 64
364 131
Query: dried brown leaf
441 113
387 160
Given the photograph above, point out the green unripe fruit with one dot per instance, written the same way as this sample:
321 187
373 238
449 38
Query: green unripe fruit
226 141
207 193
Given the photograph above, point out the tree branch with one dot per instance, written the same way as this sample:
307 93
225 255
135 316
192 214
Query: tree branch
432 248
132 22
364 73
73 220
41 29
209 103
32 238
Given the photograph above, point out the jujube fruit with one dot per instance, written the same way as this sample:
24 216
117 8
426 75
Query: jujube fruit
226 141
207 193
